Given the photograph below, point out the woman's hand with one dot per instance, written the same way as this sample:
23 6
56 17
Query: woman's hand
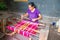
34 20
24 15
21 16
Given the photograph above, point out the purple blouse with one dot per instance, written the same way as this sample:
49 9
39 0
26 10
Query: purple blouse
33 15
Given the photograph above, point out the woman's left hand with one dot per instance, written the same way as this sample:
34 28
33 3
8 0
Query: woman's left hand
34 19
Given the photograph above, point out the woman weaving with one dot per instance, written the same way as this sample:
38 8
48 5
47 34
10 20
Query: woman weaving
32 13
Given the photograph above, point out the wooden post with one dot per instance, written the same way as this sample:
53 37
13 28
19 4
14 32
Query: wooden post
30 39
58 29
3 23
43 35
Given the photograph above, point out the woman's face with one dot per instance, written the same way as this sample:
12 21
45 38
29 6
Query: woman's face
30 7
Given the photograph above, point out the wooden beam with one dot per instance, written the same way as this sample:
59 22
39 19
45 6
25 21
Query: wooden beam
20 0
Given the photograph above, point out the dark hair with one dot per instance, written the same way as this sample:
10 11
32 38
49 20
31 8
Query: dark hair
32 4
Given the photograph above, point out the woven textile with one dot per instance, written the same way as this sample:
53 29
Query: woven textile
25 28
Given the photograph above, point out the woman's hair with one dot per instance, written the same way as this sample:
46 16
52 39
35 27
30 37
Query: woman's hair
32 4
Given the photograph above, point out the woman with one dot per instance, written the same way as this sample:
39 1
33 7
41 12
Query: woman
32 13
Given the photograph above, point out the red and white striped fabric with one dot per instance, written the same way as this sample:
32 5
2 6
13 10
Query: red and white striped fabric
26 32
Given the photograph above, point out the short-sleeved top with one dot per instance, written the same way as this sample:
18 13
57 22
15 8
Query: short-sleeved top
33 15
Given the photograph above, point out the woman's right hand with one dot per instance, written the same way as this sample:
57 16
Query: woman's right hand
21 16
24 15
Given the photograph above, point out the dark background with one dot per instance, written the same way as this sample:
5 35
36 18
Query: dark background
47 7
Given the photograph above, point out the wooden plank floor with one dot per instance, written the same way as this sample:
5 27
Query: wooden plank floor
53 35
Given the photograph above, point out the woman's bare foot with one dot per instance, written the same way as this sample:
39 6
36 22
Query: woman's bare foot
42 25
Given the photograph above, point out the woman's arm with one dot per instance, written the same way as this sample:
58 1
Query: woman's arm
39 17
24 15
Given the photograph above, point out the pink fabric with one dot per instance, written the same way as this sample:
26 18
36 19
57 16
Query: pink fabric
27 32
